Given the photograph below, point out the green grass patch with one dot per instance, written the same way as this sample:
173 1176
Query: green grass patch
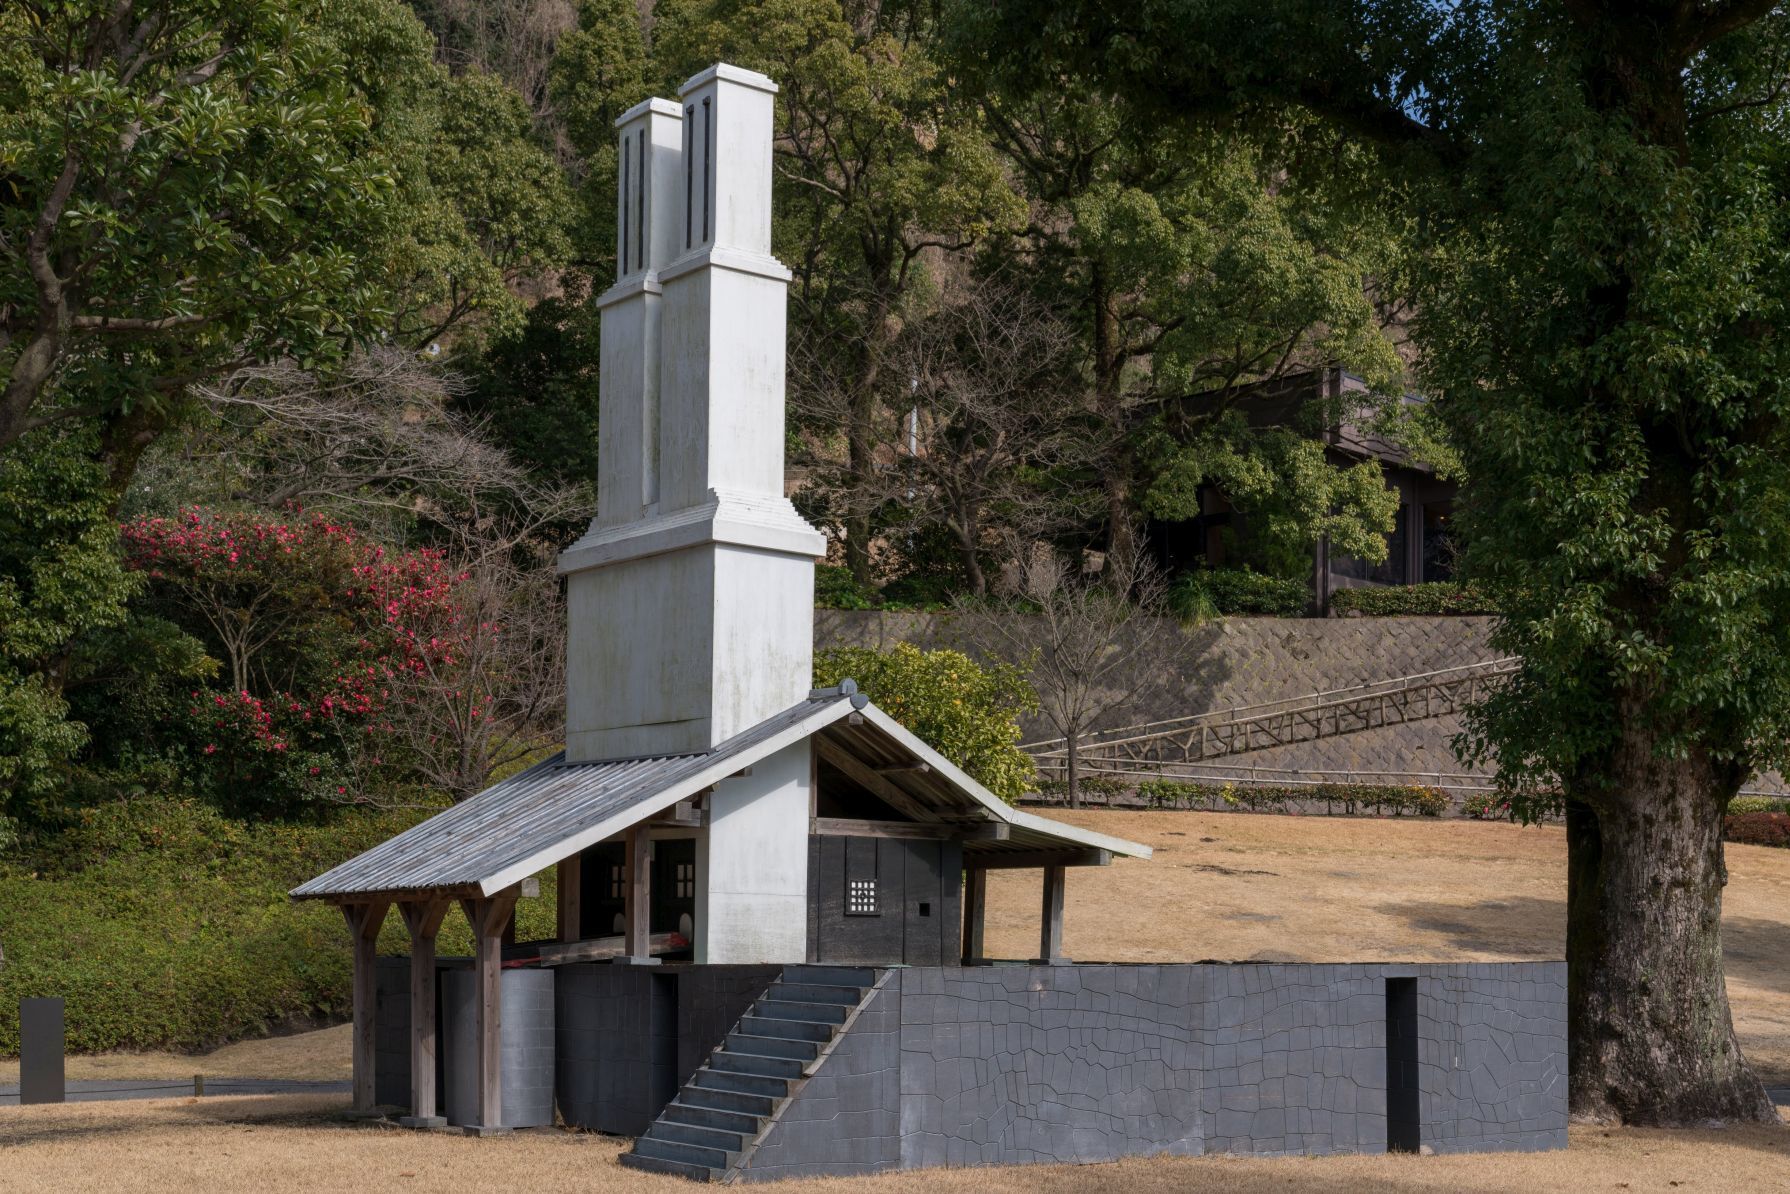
166 926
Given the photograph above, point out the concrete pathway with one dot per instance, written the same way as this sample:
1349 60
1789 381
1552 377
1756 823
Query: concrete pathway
97 1089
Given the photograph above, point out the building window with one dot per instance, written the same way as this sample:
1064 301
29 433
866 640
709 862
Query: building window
617 884
683 882
860 897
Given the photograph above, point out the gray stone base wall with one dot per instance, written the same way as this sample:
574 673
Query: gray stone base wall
526 1039
630 1036
1009 1065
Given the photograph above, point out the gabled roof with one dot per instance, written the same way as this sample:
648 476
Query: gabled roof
555 809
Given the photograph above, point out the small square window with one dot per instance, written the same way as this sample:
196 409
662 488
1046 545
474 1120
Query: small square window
684 881
616 884
860 897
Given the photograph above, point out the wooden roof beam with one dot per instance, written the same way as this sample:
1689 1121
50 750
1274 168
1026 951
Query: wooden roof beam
999 860
872 781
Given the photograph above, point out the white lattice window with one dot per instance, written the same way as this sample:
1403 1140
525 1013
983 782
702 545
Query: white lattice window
860 897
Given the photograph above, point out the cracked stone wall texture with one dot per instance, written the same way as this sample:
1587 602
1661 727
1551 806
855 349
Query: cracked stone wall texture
1492 1056
1009 1065
847 1118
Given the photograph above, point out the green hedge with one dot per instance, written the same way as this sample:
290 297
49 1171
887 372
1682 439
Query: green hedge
1342 799
1758 804
1411 601
1219 592
166 926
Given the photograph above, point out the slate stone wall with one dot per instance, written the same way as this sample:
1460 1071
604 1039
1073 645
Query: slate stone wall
1011 1065
847 1118
391 1030
630 1036
527 1039
1492 1056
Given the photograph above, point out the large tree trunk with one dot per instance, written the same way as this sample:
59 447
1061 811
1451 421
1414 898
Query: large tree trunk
1652 1039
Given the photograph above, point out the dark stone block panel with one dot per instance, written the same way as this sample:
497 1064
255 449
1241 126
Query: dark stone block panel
1008 1065
630 1036
846 1119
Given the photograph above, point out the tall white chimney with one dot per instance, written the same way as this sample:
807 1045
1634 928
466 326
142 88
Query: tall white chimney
691 596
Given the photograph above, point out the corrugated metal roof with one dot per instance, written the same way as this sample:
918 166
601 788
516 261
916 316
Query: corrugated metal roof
554 807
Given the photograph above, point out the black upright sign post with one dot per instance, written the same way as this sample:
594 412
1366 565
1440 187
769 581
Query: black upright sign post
40 1051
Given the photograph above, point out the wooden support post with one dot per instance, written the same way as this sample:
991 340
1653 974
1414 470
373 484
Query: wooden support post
975 906
1050 938
571 899
364 921
637 901
423 918
487 916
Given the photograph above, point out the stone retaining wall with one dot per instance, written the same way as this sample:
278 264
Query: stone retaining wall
1011 1065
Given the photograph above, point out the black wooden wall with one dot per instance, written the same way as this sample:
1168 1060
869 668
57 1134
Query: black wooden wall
913 918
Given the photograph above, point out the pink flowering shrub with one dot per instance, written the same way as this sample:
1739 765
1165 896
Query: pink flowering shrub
315 625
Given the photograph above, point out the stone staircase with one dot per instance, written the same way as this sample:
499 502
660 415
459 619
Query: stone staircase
728 1105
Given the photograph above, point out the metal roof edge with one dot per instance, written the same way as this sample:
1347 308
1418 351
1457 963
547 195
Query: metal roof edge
724 761
994 804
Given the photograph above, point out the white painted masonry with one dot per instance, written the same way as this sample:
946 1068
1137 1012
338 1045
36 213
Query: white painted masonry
752 872
691 597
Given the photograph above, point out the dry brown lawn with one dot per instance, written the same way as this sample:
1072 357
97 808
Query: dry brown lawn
320 1056
1221 886
301 1145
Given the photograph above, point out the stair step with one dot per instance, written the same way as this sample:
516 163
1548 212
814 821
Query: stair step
695 1173
755 1063
715 1138
738 1122
688 1154
716 1099
786 1029
789 992
770 1088
814 1013
832 976
772 1046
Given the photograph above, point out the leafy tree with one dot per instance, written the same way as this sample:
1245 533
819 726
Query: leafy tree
61 576
1191 263
533 389
316 626
960 708
600 70
1602 288
189 184
881 164
486 208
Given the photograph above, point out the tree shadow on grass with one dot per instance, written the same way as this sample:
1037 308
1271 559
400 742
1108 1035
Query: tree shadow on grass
1521 928
250 1111
1755 950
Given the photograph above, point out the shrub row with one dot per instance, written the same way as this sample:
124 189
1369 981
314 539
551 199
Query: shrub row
1758 804
1758 829
1344 799
1411 601
1218 592
1502 806
167 926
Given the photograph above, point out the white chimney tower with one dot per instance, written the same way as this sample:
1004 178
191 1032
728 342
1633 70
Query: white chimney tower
691 597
